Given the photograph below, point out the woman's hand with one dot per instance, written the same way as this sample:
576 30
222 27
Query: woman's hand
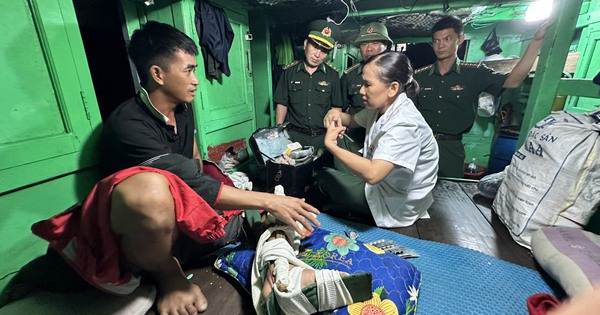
334 133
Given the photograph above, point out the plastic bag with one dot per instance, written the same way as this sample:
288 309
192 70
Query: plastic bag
489 184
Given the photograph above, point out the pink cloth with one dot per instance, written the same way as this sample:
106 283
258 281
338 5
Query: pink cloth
541 303
83 235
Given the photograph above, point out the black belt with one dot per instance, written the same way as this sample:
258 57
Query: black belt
310 132
441 136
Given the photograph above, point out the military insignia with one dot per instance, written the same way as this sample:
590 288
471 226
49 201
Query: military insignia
291 65
370 30
471 64
326 31
457 88
424 68
352 68
323 83
427 89
331 66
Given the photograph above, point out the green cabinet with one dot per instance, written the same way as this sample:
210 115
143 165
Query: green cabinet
49 110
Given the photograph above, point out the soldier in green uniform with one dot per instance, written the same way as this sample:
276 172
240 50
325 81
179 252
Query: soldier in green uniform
450 90
372 40
308 89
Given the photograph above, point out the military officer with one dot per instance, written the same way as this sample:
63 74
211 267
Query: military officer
308 89
372 40
450 90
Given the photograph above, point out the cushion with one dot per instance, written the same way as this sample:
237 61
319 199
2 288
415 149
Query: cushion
571 256
396 281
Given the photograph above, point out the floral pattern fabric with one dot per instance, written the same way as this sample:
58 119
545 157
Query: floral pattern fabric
396 281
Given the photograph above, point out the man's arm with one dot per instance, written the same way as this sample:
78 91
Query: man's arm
521 70
196 154
280 113
287 209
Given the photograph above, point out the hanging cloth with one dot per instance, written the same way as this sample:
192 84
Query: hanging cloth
285 51
491 45
216 38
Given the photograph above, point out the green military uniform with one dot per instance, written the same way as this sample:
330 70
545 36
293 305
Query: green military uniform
449 105
352 80
308 98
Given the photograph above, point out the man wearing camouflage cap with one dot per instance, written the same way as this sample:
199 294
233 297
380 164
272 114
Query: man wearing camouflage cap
372 40
309 88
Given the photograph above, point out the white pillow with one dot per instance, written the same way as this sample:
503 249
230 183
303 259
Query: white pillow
569 255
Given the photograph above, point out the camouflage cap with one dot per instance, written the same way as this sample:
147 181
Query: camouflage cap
373 32
324 33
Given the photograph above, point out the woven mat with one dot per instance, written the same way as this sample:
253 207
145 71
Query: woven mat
457 280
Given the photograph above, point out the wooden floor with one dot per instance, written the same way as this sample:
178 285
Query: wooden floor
459 216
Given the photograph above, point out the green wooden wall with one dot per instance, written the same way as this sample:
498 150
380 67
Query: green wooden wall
50 123
513 38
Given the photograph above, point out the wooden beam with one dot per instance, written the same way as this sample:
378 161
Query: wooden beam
551 61
428 7
578 87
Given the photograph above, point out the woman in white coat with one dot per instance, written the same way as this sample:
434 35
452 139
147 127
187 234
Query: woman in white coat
392 181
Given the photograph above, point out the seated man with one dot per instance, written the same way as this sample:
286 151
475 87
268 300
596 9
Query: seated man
145 220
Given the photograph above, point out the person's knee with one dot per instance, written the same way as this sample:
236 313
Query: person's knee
143 197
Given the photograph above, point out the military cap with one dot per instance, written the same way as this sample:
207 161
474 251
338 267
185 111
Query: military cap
324 33
373 32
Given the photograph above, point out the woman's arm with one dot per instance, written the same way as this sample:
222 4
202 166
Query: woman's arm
371 171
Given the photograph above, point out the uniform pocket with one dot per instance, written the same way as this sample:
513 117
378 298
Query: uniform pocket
355 89
295 86
323 94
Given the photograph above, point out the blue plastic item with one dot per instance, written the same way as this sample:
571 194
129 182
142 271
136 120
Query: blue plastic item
503 149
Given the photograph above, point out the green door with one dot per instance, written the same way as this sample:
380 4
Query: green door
49 109
227 107
587 67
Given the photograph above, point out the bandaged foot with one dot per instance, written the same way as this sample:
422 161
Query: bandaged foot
277 270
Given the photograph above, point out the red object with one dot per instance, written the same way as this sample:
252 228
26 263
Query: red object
481 171
83 235
541 303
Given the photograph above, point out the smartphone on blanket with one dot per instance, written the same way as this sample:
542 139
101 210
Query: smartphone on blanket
394 248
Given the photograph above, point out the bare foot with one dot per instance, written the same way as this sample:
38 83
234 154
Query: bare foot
178 296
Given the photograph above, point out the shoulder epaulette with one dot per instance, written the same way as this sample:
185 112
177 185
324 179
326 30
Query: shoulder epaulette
352 68
424 68
332 67
291 65
471 64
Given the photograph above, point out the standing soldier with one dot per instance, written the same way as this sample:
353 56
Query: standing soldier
372 40
308 89
450 89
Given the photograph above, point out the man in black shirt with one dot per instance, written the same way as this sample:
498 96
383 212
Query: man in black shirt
156 129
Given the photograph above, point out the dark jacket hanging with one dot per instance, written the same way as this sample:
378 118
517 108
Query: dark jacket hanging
216 37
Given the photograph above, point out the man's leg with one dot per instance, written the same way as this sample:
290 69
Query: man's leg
143 219
452 158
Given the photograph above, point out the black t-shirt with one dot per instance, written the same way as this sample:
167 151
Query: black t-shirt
134 135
